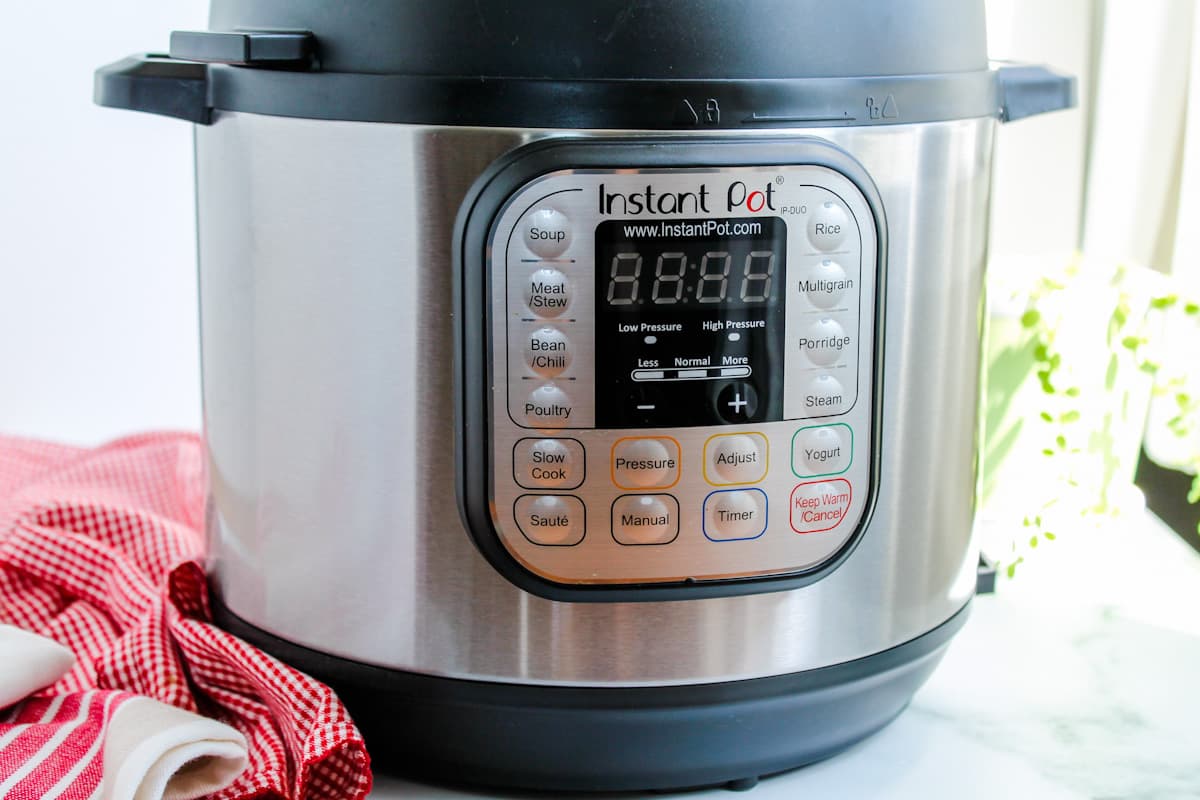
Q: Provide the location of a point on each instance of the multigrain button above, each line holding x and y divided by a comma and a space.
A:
735, 458
645, 519
828, 225
547, 351
548, 293
645, 463
825, 284
550, 519
548, 407
823, 395
547, 232
548, 463
824, 342
819, 505
733, 514
822, 450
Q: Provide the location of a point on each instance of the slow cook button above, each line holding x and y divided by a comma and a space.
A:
547, 232
552, 520
826, 284
645, 462
819, 505
825, 342
645, 519
548, 463
822, 450
823, 396
548, 293
548, 407
828, 225
735, 514
547, 351
735, 458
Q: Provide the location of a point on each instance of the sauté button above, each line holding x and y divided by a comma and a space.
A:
825, 342
547, 351
822, 450
548, 292
826, 284
828, 226
548, 407
547, 232
735, 458
550, 519
824, 395
732, 514
645, 519
645, 463
819, 505
548, 463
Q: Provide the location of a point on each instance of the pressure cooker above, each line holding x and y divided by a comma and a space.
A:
590, 388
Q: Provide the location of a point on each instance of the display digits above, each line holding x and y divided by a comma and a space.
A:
706, 292
756, 276
670, 280
624, 279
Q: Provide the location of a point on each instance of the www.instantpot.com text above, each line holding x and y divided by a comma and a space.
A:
706, 228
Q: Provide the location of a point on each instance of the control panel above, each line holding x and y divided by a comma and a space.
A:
682, 367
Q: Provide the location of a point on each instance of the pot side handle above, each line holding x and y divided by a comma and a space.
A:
1026, 90
157, 84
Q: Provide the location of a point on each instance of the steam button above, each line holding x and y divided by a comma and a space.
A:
550, 519
823, 396
548, 292
828, 226
547, 351
547, 232
548, 407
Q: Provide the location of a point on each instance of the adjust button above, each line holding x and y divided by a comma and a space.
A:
547, 351
550, 519
548, 463
645, 519
548, 407
645, 463
548, 293
735, 458
828, 225
733, 514
547, 232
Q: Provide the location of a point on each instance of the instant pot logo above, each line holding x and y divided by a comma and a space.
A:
739, 197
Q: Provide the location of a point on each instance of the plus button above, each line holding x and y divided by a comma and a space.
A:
737, 402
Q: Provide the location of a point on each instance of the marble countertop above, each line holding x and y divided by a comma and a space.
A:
1079, 679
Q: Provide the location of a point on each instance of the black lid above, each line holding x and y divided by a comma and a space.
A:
629, 39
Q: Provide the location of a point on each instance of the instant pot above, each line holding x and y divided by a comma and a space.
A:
590, 387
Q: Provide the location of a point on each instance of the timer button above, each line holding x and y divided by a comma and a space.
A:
548, 407
645, 463
825, 342
735, 458
547, 351
645, 519
552, 520
828, 226
826, 284
735, 514
548, 292
823, 396
548, 463
547, 232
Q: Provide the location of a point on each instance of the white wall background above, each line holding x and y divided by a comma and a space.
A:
97, 252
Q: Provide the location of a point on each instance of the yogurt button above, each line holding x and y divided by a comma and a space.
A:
823, 450
828, 226
548, 292
547, 232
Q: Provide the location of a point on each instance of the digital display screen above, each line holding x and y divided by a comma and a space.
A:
715, 264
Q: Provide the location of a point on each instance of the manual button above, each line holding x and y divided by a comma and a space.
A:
645, 519
650, 462
552, 520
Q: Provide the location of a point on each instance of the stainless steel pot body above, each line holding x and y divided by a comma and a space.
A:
328, 357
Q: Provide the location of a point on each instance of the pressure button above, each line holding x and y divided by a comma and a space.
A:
645, 463
550, 519
828, 226
548, 293
547, 232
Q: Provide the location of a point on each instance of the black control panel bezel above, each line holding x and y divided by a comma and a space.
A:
473, 370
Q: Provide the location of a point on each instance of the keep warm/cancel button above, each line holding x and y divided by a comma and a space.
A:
819, 505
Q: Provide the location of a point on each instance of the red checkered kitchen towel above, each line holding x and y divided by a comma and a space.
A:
101, 550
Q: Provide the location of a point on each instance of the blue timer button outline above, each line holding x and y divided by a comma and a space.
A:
704, 514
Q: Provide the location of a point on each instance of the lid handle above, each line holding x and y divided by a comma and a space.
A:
157, 84
246, 49
1027, 90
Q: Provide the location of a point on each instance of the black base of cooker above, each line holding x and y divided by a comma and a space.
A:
599, 739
